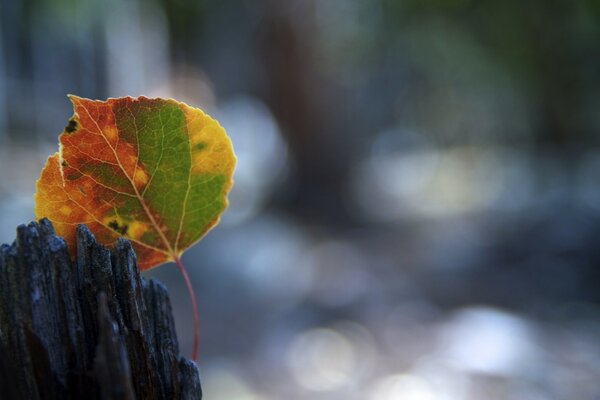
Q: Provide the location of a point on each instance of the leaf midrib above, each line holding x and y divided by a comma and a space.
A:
170, 251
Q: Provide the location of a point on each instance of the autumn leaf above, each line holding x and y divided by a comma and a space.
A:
155, 171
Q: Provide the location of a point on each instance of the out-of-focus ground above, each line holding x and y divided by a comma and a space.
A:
416, 212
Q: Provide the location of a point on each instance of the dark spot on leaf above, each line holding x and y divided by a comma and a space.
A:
200, 146
73, 175
63, 163
81, 190
114, 225
71, 126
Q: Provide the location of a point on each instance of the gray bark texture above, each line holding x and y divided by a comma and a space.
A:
88, 329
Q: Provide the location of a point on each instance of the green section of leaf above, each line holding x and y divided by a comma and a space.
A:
160, 134
204, 204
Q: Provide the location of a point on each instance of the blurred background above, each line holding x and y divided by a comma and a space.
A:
416, 213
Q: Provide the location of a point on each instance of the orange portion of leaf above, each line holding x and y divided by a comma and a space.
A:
155, 171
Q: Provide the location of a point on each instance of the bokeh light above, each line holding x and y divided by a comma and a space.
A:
405, 387
322, 360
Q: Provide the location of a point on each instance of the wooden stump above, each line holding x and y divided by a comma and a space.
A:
92, 329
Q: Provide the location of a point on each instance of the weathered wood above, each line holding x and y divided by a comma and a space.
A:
89, 329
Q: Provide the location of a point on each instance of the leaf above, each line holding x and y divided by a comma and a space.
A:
155, 171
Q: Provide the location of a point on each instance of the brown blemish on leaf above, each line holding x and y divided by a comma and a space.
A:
114, 225
71, 126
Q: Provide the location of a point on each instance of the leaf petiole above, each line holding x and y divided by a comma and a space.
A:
190, 289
